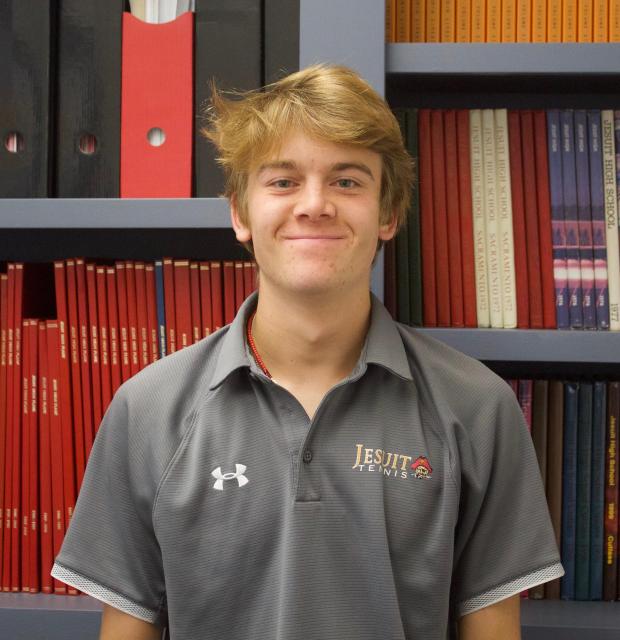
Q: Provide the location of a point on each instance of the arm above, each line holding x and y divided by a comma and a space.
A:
499, 620
118, 625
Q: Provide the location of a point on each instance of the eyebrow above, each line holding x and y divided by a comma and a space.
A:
339, 166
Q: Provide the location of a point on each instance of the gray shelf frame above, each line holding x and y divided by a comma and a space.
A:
114, 213
512, 59
50, 617
529, 345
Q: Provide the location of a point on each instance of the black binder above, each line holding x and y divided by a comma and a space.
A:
227, 47
88, 98
25, 97
281, 38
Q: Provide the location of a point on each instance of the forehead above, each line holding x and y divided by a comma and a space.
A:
301, 151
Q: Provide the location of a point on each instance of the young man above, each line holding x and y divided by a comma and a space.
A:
313, 470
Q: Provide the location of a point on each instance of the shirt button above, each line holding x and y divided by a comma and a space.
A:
307, 456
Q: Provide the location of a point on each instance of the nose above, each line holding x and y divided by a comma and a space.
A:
314, 202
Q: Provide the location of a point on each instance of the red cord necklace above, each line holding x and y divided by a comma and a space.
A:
255, 353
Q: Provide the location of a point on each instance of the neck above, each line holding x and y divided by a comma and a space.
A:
300, 338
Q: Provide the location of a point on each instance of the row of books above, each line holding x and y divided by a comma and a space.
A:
503, 21
96, 102
574, 427
514, 220
100, 325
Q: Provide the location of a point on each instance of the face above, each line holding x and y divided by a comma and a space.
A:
313, 216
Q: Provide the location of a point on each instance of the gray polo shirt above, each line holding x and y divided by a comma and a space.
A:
211, 499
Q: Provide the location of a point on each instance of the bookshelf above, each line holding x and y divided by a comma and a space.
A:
490, 75
440, 75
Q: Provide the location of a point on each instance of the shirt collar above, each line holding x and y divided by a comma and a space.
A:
383, 345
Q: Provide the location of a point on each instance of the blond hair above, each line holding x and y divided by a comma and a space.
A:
329, 102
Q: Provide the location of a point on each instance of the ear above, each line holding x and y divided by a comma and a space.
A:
387, 231
242, 232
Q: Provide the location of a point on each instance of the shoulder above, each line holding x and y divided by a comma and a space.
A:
448, 370
466, 401
178, 378
151, 412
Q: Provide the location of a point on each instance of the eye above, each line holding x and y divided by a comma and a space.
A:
282, 183
346, 183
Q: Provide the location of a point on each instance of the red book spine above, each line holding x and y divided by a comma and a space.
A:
518, 219
453, 228
217, 299
544, 219
35, 574
123, 322
17, 426
254, 276
194, 281
531, 220
132, 317
171, 341
45, 472
151, 310
68, 456
76, 366
427, 219
95, 356
87, 405
104, 345
3, 402
56, 445
143, 325
228, 269
525, 395
8, 460
205, 299
182, 299
442, 255
467, 228
113, 332
248, 287
239, 285
25, 461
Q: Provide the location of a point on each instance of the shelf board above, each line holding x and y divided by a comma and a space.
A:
570, 620
521, 345
114, 213
503, 59
50, 617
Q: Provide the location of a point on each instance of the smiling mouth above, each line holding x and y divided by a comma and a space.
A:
313, 238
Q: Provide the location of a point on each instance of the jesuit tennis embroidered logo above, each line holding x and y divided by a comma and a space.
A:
390, 464
221, 477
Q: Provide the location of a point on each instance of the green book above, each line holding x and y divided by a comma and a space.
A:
413, 224
402, 249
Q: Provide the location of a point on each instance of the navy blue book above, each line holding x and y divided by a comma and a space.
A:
584, 214
569, 489
571, 221
161, 310
560, 276
584, 489
597, 499
599, 224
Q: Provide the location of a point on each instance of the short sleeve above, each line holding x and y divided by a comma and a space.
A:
110, 550
504, 540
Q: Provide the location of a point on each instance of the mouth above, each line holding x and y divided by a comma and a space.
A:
314, 238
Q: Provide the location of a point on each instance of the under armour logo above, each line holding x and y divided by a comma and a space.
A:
219, 483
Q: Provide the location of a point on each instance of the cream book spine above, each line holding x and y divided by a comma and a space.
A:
611, 217
479, 229
489, 181
504, 209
